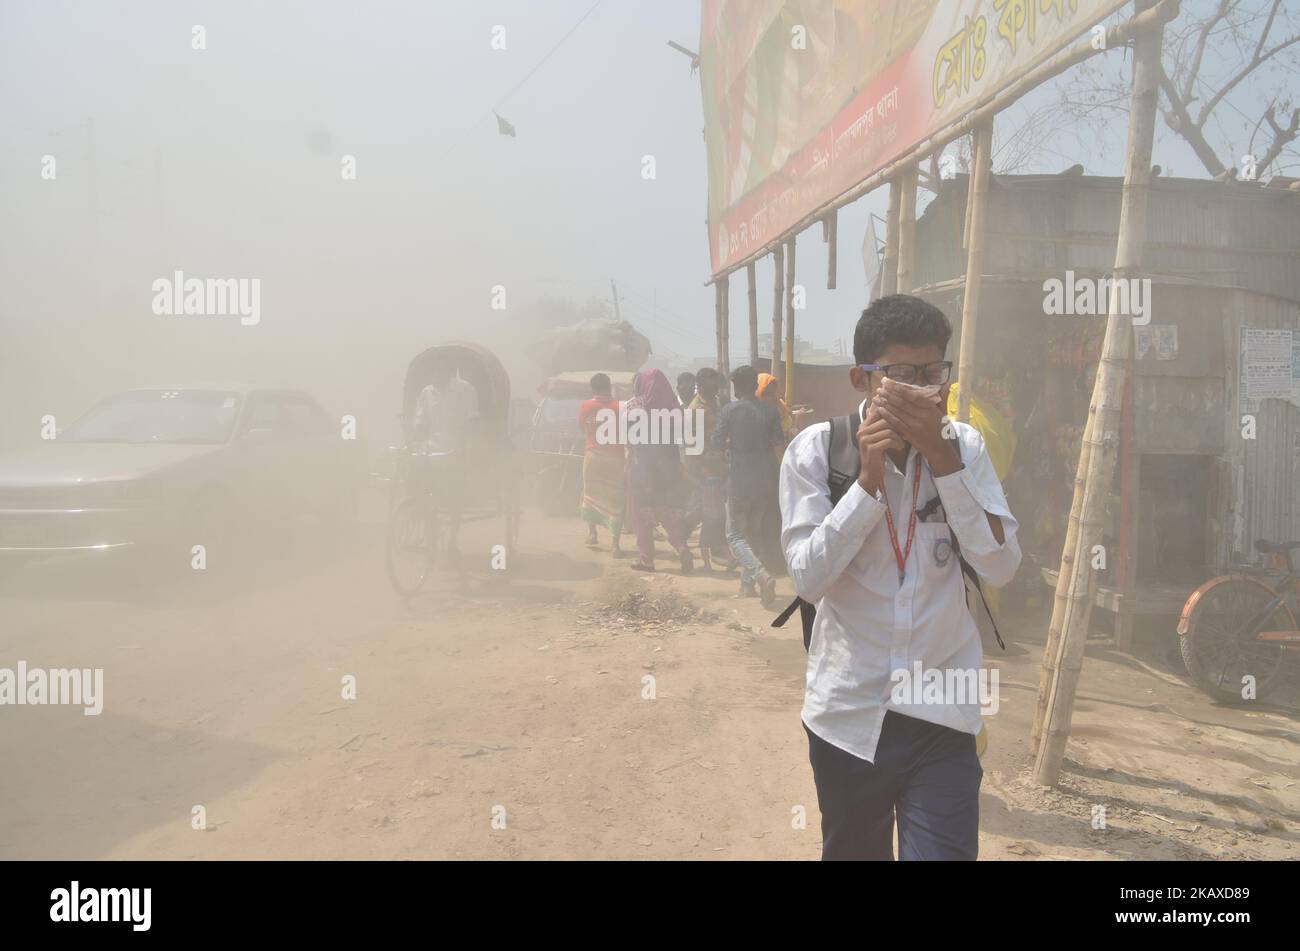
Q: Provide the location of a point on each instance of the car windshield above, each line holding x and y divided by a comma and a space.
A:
159, 416
562, 411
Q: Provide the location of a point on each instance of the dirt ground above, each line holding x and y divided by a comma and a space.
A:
524, 702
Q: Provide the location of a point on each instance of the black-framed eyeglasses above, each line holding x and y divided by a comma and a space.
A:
921, 374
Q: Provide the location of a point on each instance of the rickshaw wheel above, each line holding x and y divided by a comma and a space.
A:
1217, 649
411, 548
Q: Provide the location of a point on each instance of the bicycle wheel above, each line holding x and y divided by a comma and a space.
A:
1220, 647
411, 549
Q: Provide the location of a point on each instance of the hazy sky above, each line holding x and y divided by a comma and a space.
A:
226, 162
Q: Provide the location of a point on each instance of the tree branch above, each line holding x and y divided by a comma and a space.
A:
1263, 37
1195, 68
1282, 137
1177, 118
1255, 62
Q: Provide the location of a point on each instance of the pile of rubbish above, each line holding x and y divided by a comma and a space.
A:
667, 610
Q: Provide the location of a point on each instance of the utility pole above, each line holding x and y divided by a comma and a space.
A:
614, 287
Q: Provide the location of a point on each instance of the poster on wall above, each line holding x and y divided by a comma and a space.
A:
1268, 367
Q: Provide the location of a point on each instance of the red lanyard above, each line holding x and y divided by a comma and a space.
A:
900, 555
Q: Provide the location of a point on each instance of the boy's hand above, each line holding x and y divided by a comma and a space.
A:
875, 438
918, 418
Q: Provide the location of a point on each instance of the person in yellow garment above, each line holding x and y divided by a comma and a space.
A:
770, 392
1000, 441
999, 435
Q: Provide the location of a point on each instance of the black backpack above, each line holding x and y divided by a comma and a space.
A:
842, 472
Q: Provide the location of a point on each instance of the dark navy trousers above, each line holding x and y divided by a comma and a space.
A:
926, 775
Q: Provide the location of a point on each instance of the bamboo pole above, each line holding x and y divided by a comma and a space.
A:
1107, 396
889, 282
789, 324
830, 234
907, 231
1069, 554
724, 330
719, 293
1130, 494
778, 305
752, 286
976, 211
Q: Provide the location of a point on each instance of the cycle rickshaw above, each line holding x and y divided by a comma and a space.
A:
432, 487
1239, 626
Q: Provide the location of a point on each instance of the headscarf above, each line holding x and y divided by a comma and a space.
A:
653, 391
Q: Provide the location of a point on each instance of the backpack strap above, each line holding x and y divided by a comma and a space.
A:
966, 569
842, 464
785, 615
843, 460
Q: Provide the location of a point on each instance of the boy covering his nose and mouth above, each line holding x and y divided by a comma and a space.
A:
879, 565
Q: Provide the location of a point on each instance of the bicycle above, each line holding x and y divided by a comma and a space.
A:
1237, 626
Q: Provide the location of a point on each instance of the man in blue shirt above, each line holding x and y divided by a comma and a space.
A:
750, 431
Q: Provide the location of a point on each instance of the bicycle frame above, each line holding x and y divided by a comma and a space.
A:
1290, 640
1254, 628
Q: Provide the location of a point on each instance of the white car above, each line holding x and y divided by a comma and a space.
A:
177, 466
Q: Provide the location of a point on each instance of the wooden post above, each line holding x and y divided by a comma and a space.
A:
907, 230
830, 234
724, 327
789, 322
1060, 603
778, 305
1107, 393
889, 281
976, 210
718, 294
752, 286
1129, 517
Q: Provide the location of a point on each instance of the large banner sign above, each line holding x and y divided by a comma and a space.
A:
803, 99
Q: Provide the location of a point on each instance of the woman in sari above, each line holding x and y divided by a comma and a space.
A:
656, 481
769, 392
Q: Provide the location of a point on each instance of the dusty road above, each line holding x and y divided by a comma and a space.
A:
529, 699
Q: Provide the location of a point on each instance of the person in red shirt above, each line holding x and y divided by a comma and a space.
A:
604, 493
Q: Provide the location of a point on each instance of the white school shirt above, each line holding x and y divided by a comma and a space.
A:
868, 625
